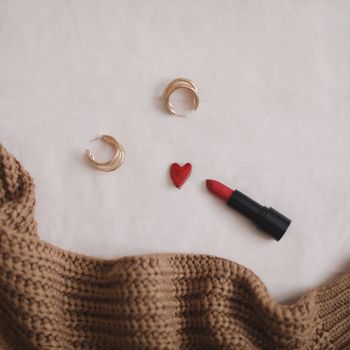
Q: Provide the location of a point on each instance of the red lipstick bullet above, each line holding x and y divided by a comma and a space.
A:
267, 219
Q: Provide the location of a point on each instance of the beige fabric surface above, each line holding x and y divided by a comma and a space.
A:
55, 299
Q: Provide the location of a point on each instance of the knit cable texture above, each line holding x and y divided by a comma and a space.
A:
54, 299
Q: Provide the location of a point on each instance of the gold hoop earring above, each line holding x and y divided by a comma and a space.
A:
180, 83
112, 164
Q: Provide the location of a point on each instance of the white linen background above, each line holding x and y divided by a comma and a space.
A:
273, 121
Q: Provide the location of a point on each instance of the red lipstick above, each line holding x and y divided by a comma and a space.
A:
267, 219
219, 189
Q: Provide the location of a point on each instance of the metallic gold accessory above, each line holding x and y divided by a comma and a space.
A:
113, 163
180, 83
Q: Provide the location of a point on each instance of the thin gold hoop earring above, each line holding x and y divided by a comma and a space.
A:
180, 83
115, 162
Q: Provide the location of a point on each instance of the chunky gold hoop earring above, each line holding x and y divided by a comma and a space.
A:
180, 83
113, 163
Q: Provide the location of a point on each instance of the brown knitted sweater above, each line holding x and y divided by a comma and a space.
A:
54, 299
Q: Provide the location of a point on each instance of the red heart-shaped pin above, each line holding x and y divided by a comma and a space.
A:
180, 174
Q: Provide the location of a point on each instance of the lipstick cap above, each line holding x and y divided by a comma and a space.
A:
267, 219
273, 222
